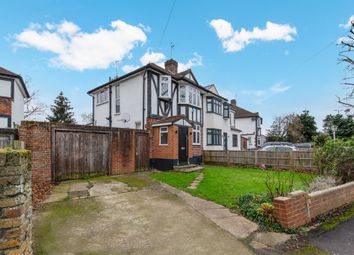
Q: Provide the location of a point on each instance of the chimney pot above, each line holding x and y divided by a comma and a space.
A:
233, 102
171, 65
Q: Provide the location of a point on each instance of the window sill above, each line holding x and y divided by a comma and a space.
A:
117, 114
102, 103
163, 144
196, 144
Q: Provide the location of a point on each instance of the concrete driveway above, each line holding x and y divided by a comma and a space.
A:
113, 218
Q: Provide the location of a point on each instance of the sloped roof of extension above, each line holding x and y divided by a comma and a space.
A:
177, 77
8, 73
243, 113
171, 120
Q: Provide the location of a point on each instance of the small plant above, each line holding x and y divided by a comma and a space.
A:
279, 185
267, 211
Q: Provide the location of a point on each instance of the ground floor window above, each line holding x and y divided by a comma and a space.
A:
234, 140
213, 136
196, 134
163, 135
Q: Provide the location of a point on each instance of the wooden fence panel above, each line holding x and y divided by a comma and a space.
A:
283, 160
79, 153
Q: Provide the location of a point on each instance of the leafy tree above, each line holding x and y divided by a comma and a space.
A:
346, 56
61, 110
344, 124
321, 138
309, 129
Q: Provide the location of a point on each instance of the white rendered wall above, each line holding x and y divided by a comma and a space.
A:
17, 105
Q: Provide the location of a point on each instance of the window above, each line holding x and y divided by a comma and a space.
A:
249, 140
190, 95
102, 97
163, 135
183, 110
182, 94
165, 86
234, 140
213, 136
226, 112
117, 92
196, 134
213, 105
194, 97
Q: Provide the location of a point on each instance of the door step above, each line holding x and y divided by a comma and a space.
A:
188, 168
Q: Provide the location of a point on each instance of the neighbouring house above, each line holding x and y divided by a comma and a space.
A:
13, 93
219, 129
250, 125
183, 116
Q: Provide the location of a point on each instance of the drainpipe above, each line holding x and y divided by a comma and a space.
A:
110, 106
143, 121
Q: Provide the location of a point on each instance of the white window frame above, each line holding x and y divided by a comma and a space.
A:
100, 95
196, 131
117, 99
183, 88
163, 130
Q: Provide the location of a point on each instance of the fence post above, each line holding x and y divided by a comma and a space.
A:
255, 157
292, 162
228, 157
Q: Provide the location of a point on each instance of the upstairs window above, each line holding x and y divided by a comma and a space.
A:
163, 136
213, 105
102, 97
182, 94
117, 92
226, 112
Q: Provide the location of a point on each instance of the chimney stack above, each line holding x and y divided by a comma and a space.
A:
171, 65
233, 102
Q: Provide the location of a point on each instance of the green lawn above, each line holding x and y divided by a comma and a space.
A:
224, 184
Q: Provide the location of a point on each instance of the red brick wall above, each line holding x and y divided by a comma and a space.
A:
5, 106
123, 151
37, 137
169, 151
300, 208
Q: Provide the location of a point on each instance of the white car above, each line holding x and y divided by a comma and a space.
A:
278, 148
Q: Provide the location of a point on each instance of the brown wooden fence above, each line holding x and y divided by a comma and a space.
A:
303, 160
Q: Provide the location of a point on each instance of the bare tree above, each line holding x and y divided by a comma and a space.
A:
87, 118
346, 56
33, 108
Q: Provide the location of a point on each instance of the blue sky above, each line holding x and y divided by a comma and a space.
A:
286, 65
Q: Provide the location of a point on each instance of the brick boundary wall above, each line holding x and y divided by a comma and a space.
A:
37, 137
300, 208
15, 202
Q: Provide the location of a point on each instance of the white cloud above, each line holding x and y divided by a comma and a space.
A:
234, 40
348, 24
196, 60
279, 88
79, 50
258, 96
129, 68
152, 57
158, 58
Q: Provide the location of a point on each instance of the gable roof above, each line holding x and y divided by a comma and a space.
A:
8, 73
171, 120
177, 77
212, 88
243, 113
184, 74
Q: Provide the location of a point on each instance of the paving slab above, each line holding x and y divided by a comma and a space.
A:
237, 225
108, 188
78, 190
271, 239
214, 213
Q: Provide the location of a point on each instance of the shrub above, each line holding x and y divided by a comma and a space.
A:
336, 157
322, 182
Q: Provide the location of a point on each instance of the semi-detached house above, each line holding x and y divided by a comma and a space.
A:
183, 116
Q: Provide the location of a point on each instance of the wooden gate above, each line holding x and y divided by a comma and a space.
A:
142, 158
80, 153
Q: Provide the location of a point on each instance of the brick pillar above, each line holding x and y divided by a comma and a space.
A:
292, 211
15, 203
